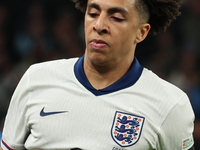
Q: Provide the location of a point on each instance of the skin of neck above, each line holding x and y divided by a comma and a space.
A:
102, 75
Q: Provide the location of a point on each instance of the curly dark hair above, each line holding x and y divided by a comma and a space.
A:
158, 13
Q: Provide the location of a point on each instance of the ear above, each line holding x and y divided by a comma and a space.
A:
142, 32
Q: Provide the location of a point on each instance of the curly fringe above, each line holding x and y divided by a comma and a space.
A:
162, 13
81, 4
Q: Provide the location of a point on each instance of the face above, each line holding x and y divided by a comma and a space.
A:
112, 30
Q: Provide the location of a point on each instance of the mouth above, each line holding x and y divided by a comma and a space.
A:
98, 44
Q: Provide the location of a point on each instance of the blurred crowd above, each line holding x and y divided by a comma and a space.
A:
36, 31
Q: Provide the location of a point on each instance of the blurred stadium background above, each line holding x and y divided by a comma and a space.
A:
40, 30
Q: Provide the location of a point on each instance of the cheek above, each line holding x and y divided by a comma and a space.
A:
130, 35
127, 38
126, 31
87, 31
87, 25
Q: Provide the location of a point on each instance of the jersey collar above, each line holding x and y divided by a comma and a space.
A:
129, 79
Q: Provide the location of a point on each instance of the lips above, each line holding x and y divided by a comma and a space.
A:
98, 44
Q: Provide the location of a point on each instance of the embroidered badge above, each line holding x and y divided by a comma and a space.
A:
126, 128
187, 143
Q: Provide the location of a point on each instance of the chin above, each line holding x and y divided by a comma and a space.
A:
98, 60
96, 56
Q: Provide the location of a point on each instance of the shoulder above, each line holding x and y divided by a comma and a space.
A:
51, 71
54, 64
175, 117
164, 95
160, 86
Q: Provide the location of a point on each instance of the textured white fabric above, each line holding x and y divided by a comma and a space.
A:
88, 121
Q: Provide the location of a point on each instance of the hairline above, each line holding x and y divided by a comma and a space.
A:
143, 16
112, 9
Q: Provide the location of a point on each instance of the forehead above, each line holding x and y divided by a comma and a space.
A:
128, 5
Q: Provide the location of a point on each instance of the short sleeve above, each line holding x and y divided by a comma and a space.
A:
15, 129
176, 132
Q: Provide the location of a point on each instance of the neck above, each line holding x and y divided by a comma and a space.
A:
101, 76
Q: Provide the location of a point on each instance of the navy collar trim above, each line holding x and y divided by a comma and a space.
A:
129, 79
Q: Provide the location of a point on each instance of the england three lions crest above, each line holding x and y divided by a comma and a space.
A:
126, 128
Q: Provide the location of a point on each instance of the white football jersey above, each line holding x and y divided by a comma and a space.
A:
54, 107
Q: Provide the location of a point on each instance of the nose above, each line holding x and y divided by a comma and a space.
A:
101, 25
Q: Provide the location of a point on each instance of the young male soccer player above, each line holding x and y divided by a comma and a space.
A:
104, 100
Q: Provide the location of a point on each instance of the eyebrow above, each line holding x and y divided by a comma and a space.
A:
93, 5
117, 10
111, 10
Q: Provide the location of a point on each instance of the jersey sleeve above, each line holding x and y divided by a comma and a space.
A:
15, 129
176, 132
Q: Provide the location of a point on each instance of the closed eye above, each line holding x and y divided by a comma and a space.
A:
118, 19
93, 15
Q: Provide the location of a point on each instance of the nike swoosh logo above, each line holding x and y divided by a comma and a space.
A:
43, 114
